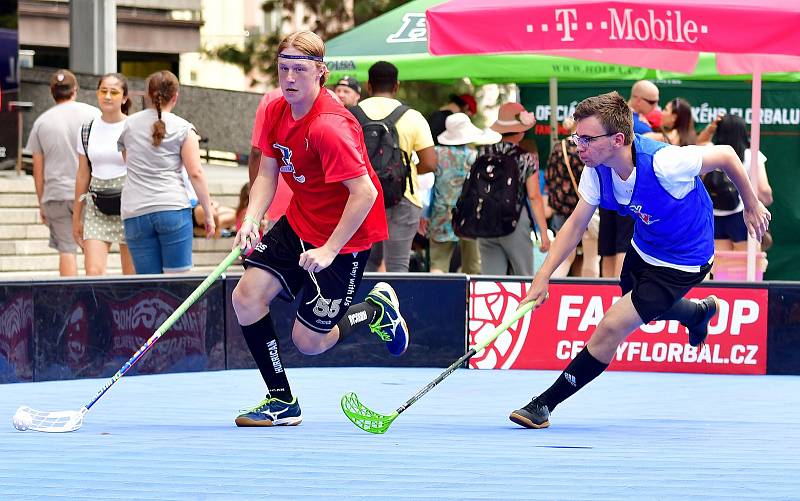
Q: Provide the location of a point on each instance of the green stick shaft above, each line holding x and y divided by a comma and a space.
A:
469, 354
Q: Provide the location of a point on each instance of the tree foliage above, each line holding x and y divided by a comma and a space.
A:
327, 18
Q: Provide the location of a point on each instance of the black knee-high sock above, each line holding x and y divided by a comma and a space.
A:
357, 315
686, 311
263, 344
580, 372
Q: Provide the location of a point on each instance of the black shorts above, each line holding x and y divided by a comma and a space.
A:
320, 309
616, 232
654, 289
730, 227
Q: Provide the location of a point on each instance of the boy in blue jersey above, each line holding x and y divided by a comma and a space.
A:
673, 239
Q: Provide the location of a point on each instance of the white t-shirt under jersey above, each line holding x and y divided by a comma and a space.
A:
107, 162
675, 168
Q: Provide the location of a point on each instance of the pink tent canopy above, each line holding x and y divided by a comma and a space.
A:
747, 36
647, 32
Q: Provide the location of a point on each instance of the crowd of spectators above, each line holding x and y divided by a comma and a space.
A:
147, 167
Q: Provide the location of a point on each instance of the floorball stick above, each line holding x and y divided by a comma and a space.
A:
63, 421
373, 422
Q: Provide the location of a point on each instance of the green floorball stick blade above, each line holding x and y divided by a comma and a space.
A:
365, 418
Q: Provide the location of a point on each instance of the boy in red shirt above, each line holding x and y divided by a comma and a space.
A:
319, 249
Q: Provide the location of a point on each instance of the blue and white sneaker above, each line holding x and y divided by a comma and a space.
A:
389, 325
272, 412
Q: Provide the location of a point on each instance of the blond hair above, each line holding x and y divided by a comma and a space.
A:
310, 44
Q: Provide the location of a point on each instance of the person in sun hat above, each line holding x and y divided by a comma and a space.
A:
455, 154
458, 103
515, 250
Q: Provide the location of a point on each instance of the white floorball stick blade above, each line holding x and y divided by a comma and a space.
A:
49, 422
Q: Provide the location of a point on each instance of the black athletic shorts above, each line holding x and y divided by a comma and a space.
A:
322, 304
730, 227
616, 232
654, 289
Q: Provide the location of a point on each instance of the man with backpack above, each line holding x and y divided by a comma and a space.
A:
501, 196
392, 133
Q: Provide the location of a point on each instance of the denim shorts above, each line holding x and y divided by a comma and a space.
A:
160, 242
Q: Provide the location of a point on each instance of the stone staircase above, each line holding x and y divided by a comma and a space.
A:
24, 250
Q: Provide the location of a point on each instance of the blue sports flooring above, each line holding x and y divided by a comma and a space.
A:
634, 436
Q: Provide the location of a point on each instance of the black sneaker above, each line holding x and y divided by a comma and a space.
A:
534, 415
699, 331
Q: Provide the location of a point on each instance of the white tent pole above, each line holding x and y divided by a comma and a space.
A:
755, 134
553, 110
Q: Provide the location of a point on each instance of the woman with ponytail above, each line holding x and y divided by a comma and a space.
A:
96, 222
156, 213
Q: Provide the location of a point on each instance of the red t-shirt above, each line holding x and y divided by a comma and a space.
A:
282, 194
315, 154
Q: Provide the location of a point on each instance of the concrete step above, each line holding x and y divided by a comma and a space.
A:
212, 245
19, 200
36, 256
17, 184
211, 259
23, 231
231, 201
111, 271
45, 263
219, 188
40, 246
19, 215
27, 247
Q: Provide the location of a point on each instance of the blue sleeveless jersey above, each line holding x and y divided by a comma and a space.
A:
676, 231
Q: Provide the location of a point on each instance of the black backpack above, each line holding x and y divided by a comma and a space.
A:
723, 193
391, 164
490, 203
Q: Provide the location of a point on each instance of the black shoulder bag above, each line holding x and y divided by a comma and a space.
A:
107, 201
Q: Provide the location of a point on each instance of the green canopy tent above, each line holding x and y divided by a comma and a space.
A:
401, 37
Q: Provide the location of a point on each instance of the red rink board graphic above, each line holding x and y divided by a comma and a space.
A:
556, 332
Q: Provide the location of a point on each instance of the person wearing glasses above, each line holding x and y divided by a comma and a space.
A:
644, 99
616, 231
55, 164
659, 187
101, 169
